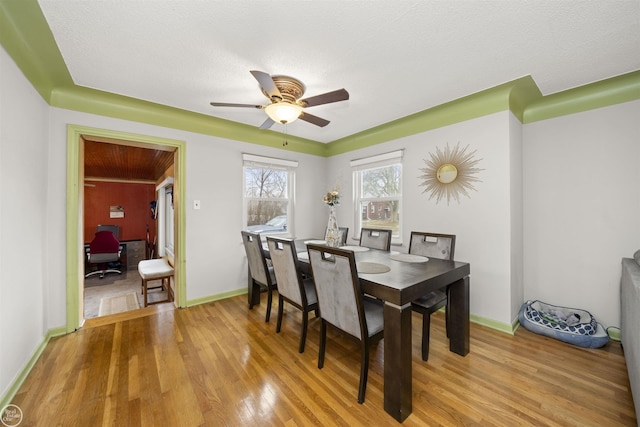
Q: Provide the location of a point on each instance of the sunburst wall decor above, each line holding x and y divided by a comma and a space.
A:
450, 173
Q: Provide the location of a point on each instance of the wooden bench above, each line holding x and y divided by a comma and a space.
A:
155, 269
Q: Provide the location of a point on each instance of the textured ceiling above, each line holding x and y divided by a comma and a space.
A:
394, 57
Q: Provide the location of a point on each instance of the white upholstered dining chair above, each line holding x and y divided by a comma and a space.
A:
342, 304
292, 287
431, 245
375, 238
260, 272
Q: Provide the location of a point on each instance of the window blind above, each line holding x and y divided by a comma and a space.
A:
269, 162
377, 161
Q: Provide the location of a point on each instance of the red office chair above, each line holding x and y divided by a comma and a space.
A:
104, 249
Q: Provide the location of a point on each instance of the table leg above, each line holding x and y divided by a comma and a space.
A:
397, 360
253, 290
459, 316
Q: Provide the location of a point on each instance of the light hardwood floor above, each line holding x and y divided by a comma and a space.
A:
220, 364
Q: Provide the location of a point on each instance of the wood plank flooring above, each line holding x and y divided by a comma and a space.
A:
220, 364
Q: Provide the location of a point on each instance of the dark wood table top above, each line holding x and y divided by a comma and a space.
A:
405, 281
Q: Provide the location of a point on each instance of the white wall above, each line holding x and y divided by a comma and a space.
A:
481, 223
215, 261
516, 198
581, 207
23, 210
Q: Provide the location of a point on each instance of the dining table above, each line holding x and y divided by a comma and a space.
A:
398, 279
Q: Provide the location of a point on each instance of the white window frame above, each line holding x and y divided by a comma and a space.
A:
290, 166
166, 226
375, 162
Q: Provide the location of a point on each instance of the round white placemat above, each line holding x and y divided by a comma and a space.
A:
372, 267
355, 248
408, 258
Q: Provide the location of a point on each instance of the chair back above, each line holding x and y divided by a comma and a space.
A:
285, 264
344, 231
255, 258
375, 238
338, 289
115, 229
104, 242
342, 235
432, 245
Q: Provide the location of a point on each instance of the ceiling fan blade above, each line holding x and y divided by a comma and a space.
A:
325, 98
267, 124
228, 104
318, 121
267, 84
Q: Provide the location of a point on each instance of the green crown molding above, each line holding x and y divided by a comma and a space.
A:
107, 104
604, 93
27, 38
523, 92
25, 35
489, 101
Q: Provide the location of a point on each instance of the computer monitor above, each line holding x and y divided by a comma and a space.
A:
112, 228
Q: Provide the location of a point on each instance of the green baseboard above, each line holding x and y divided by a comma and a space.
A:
217, 297
489, 323
614, 333
6, 398
494, 324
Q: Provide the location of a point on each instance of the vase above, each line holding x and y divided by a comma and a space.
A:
332, 235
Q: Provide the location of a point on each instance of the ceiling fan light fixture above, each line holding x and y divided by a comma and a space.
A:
283, 112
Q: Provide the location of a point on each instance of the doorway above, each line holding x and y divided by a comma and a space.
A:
76, 136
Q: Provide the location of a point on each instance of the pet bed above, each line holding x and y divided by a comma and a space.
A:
570, 325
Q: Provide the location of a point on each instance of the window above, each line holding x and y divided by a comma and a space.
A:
169, 222
378, 192
268, 194
165, 243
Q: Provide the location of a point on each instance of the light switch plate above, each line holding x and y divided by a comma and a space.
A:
196, 204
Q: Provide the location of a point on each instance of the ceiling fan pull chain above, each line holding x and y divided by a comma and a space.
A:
285, 143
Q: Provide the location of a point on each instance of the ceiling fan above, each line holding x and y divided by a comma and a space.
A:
285, 92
